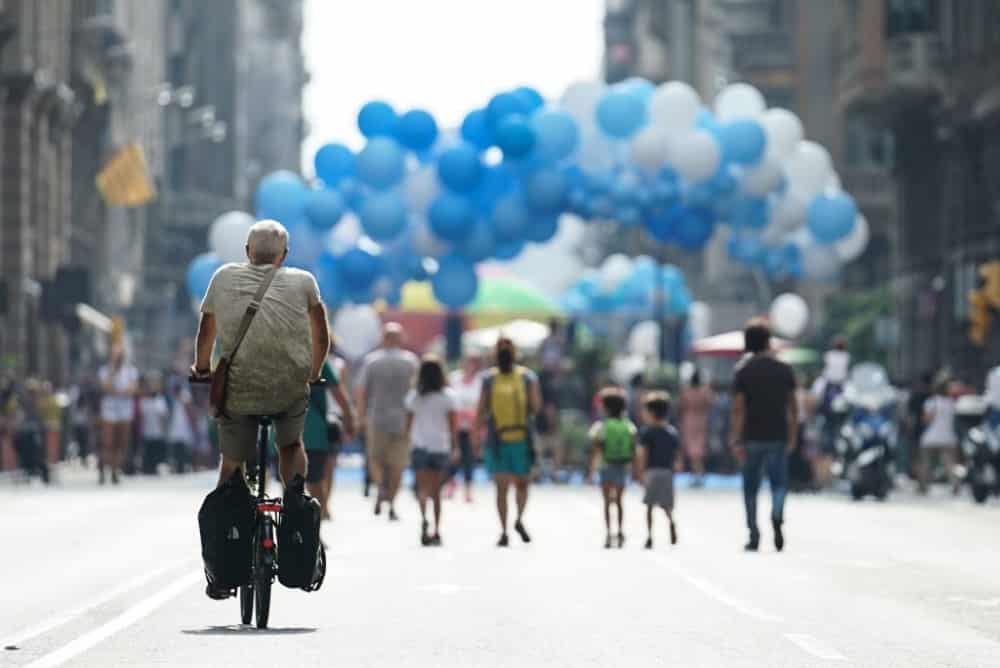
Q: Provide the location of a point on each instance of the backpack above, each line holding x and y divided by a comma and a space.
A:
301, 557
508, 403
618, 446
226, 524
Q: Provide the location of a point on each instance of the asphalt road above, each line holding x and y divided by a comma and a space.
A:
111, 577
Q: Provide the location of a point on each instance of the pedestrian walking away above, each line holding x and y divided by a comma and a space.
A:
613, 447
385, 378
466, 384
153, 414
432, 428
765, 423
119, 384
696, 400
509, 401
659, 452
938, 440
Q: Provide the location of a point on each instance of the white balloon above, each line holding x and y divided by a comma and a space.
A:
421, 188
783, 130
808, 169
644, 339
851, 248
615, 269
596, 152
344, 236
358, 330
581, 98
695, 155
789, 212
651, 148
762, 178
820, 263
674, 106
228, 235
789, 315
739, 100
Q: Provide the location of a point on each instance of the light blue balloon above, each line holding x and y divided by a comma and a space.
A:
381, 163
377, 119
510, 218
199, 274
514, 136
451, 217
358, 270
455, 284
694, 228
331, 287
750, 212
476, 129
542, 230
508, 250
503, 105
333, 162
556, 134
743, 142
831, 217
480, 244
324, 208
383, 216
460, 169
620, 114
545, 190
282, 196
529, 97
304, 244
637, 87
417, 130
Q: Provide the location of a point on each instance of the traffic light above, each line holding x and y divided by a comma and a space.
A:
980, 316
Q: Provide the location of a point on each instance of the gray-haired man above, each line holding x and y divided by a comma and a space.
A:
284, 349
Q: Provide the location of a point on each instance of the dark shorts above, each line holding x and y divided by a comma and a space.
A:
614, 474
429, 461
317, 465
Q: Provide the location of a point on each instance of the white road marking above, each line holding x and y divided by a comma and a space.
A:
122, 621
813, 646
714, 592
978, 602
57, 620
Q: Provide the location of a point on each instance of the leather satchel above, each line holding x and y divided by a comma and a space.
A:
220, 376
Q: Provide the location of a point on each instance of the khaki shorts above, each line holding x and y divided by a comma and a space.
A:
238, 433
388, 449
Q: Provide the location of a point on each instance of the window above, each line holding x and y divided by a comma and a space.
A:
910, 16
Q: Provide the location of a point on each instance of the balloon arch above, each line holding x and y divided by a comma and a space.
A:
417, 203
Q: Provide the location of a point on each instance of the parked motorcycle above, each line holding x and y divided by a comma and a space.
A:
867, 443
980, 446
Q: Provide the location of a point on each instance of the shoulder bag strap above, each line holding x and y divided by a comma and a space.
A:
252, 311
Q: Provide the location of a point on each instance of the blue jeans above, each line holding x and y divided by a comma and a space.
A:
761, 456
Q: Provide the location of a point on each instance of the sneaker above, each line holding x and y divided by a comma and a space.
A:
100, 477
217, 594
393, 517
436, 540
753, 543
504, 541
673, 534
649, 543
621, 540
425, 538
522, 532
607, 542
779, 537
114, 478
378, 507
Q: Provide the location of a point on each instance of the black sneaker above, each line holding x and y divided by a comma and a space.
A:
425, 539
753, 543
504, 541
621, 540
779, 537
217, 594
522, 532
673, 534
649, 543
378, 507
393, 517
607, 542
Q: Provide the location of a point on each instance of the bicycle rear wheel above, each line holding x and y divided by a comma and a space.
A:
262, 592
246, 603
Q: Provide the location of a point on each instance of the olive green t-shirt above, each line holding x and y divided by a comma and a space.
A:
271, 369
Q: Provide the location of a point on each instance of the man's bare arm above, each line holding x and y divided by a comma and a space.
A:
204, 343
320, 338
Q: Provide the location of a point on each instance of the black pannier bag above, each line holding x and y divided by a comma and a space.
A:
226, 523
301, 557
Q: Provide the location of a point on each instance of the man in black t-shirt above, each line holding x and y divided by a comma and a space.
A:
765, 422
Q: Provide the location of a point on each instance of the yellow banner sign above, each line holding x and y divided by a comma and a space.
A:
125, 179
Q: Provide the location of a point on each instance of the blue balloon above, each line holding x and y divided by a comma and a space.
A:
662, 225
333, 162
514, 136
694, 228
529, 97
476, 129
358, 270
381, 163
541, 230
748, 249
629, 215
750, 212
743, 142
331, 287
199, 274
451, 217
510, 218
417, 130
680, 302
620, 114
637, 87
353, 193
545, 190
455, 284
556, 134
460, 169
324, 208
602, 207
706, 121
496, 181
383, 216
282, 196
831, 217
503, 105
304, 244
480, 243
508, 250
377, 119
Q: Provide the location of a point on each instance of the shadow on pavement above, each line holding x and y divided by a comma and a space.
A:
248, 629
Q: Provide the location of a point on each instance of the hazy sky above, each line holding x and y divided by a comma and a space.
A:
449, 57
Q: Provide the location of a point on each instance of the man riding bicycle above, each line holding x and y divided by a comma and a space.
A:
282, 352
